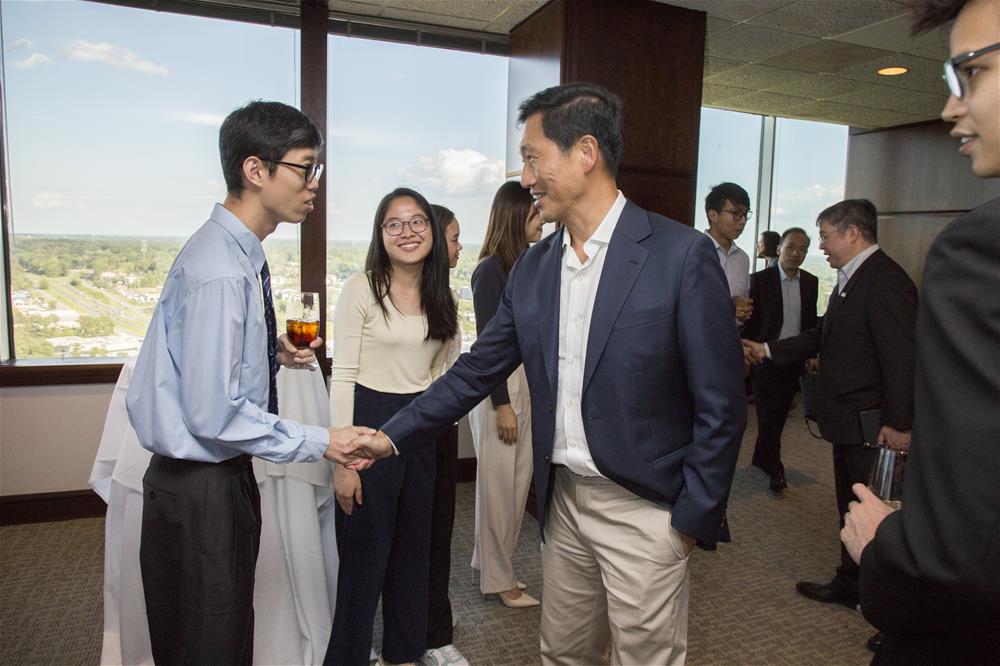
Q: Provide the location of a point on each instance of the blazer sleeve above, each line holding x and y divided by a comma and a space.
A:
488, 281
752, 328
713, 362
810, 293
892, 317
492, 358
799, 348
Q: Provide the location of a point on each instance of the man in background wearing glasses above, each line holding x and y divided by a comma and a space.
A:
203, 397
727, 207
930, 572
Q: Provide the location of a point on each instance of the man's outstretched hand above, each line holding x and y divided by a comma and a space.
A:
343, 447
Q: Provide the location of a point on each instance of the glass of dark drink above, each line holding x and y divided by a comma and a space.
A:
302, 318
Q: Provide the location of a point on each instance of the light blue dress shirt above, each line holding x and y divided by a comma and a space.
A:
200, 387
791, 304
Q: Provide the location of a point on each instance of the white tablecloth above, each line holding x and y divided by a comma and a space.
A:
296, 574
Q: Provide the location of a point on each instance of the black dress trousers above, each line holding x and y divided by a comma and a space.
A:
439, 629
198, 553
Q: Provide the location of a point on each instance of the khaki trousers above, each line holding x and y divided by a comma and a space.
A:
613, 568
503, 477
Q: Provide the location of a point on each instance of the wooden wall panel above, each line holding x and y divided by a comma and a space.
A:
649, 54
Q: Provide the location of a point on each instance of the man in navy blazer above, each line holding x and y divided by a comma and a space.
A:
624, 324
784, 298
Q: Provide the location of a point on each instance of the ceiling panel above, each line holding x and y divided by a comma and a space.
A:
517, 12
820, 86
714, 25
731, 10
825, 55
718, 65
857, 116
758, 77
826, 19
750, 43
895, 99
433, 19
924, 74
482, 10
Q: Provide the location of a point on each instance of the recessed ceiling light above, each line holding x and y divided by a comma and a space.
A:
893, 71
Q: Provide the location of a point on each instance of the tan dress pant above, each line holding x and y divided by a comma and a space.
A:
615, 568
503, 477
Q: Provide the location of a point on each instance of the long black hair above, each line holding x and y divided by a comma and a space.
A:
435, 294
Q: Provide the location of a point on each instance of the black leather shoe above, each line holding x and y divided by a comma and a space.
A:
828, 593
875, 642
778, 482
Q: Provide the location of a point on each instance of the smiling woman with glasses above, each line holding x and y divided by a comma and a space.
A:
390, 330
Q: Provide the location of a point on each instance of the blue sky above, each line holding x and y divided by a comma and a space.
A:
113, 116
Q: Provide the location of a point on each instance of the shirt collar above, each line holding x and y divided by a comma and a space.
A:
602, 234
786, 277
732, 246
852, 266
246, 239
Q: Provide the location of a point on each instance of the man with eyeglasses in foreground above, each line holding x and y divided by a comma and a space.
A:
727, 208
866, 349
203, 397
930, 572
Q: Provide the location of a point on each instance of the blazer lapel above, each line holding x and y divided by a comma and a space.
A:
839, 296
622, 265
549, 290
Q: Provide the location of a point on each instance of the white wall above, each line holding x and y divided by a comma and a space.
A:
49, 436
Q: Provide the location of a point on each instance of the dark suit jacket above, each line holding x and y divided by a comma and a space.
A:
768, 313
931, 577
663, 402
866, 347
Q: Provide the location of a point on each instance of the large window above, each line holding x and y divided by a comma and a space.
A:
810, 165
112, 121
430, 119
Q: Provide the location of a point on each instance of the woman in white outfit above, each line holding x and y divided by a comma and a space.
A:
501, 424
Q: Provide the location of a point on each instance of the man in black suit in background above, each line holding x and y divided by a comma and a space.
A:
784, 299
930, 574
865, 346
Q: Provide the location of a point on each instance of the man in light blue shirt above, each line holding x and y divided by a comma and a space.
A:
203, 397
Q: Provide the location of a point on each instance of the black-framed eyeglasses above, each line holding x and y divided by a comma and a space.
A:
312, 171
394, 226
953, 74
738, 214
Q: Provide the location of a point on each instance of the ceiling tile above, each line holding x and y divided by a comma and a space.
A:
758, 77
359, 7
718, 65
892, 35
856, 116
731, 10
749, 43
714, 25
432, 19
825, 19
481, 10
824, 55
517, 12
818, 86
896, 99
712, 95
938, 51
768, 103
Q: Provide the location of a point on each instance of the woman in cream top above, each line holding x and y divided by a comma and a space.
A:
391, 324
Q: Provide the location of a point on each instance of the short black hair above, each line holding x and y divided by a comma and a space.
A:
771, 240
719, 194
860, 213
574, 110
930, 14
267, 130
794, 230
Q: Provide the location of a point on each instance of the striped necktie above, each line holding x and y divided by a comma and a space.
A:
272, 339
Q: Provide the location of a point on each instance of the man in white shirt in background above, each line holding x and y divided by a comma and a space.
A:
727, 208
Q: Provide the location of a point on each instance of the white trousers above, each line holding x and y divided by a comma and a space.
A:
613, 567
503, 477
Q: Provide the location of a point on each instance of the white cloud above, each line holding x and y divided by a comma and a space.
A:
114, 55
196, 118
53, 200
456, 171
31, 61
22, 44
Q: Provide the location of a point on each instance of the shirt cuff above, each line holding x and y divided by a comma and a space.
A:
316, 442
395, 451
767, 351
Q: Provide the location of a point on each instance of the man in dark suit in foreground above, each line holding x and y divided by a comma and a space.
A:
930, 572
865, 346
784, 299
625, 327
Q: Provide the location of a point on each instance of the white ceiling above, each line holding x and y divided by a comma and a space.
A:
813, 59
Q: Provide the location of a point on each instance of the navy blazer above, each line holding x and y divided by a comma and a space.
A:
663, 402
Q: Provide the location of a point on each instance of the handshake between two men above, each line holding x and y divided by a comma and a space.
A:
356, 447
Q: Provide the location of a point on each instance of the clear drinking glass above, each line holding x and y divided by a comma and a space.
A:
887, 477
302, 317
